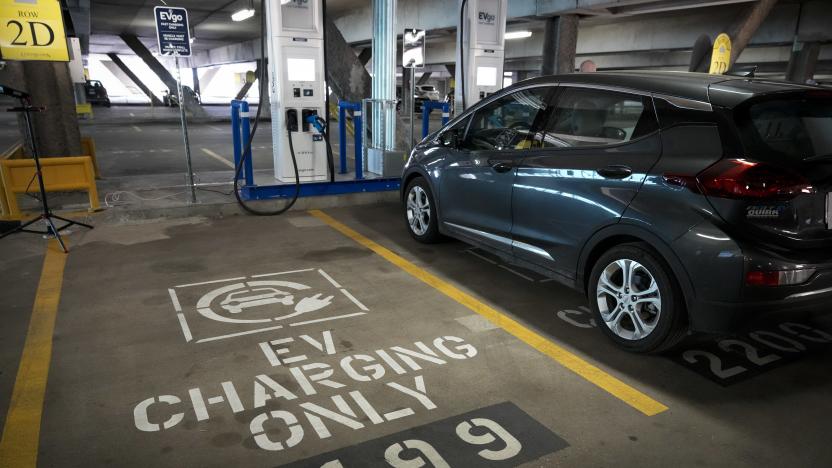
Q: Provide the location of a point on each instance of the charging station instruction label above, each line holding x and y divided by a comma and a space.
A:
172, 31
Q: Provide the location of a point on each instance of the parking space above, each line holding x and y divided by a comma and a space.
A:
332, 339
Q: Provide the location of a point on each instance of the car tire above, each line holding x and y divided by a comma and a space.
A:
420, 212
645, 314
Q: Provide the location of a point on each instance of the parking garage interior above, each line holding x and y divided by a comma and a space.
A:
264, 233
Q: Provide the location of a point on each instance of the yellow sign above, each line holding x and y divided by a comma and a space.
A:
32, 30
721, 58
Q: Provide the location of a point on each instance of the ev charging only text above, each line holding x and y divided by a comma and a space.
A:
397, 367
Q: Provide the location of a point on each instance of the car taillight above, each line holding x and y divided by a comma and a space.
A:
778, 278
743, 179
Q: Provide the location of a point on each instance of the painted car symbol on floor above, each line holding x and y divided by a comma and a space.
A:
240, 297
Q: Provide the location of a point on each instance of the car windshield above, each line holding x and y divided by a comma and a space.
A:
798, 128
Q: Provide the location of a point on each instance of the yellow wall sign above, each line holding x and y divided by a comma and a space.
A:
721, 58
32, 30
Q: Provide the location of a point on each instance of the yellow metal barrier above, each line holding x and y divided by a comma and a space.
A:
88, 149
60, 175
84, 109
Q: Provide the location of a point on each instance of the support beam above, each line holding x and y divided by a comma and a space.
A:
365, 55
424, 78
560, 41
164, 75
247, 86
345, 73
744, 27
135, 79
50, 85
803, 61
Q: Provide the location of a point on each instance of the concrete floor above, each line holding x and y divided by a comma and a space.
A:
133, 353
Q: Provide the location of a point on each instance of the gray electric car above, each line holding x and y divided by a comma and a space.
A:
675, 201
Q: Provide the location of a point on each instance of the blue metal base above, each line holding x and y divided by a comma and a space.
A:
317, 189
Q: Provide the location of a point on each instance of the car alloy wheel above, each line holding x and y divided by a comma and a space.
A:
629, 299
418, 210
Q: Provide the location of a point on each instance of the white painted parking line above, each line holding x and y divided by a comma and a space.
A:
185, 329
281, 273
232, 335
329, 278
354, 300
136, 128
327, 319
215, 128
175, 300
218, 157
210, 282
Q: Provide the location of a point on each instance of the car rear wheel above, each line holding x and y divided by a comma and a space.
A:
420, 212
635, 298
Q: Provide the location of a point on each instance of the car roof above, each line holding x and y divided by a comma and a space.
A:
721, 90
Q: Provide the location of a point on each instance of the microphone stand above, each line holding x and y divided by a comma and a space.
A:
46, 214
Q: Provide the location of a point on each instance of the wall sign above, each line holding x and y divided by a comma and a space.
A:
32, 30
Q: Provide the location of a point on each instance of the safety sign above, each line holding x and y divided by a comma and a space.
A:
219, 309
172, 31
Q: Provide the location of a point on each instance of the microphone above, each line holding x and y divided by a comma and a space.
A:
6, 91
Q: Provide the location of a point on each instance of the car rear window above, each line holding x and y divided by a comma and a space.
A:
796, 128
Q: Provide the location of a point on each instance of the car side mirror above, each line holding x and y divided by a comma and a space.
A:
450, 139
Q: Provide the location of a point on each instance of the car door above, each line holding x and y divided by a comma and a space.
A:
597, 147
477, 179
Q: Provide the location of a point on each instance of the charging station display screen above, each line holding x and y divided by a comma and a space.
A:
300, 69
486, 76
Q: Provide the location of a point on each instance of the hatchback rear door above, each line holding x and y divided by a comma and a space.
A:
594, 152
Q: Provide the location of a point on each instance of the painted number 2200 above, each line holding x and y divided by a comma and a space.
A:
429, 456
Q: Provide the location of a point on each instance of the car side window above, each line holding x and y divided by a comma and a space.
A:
590, 117
507, 123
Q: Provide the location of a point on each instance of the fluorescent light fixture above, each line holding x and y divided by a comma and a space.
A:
242, 15
518, 35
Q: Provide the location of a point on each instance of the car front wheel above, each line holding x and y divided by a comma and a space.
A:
420, 212
635, 299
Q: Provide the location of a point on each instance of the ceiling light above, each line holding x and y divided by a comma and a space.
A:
242, 15
518, 35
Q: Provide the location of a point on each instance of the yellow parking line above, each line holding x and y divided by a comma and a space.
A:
571, 361
218, 158
19, 446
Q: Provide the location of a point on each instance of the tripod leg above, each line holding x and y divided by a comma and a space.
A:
72, 222
56, 234
21, 227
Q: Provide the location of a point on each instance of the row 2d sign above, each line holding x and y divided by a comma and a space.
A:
172, 31
32, 30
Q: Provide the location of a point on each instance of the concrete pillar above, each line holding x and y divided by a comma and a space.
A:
195, 73
208, 76
803, 61
560, 40
424, 78
746, 24
191, 106
135, 79
50, 84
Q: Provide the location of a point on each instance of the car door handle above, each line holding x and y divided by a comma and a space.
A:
501, 166
615, 172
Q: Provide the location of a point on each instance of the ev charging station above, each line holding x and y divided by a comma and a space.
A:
297, 87
480, 50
